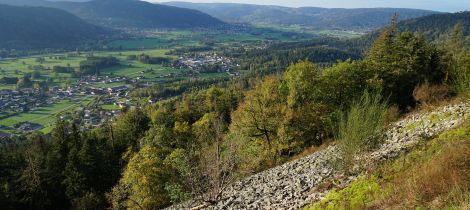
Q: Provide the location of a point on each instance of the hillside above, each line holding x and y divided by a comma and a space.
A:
130, 13
309, 179
435, 25
39, 27
345, 19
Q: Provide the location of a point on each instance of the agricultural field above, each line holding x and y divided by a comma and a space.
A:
46, 116
313, 31
166, 40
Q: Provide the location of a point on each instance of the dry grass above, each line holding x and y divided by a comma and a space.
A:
436, 183
427, 95
312, 149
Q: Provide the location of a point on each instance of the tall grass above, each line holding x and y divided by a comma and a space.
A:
360, 127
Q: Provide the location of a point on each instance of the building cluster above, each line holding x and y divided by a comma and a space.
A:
204, 63
14, 101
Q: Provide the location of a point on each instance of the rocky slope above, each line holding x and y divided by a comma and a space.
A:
297, 183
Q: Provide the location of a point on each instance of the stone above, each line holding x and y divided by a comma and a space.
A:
293, 185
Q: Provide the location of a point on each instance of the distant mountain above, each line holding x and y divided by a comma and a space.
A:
433, 26
39, 27
129, 13
348, 19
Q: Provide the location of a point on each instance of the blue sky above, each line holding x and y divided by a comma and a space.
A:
439, 5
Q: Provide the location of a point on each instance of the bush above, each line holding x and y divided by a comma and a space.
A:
360, 127
461, 82
427, 94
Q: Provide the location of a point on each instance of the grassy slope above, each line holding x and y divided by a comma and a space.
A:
435, 176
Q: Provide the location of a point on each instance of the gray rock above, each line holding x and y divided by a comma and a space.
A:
293, 185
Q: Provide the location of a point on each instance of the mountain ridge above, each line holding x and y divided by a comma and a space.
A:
325, 18
25, 27
129, 13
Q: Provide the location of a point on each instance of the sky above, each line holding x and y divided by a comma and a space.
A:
437, 5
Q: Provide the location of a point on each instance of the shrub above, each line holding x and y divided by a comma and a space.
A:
461, 82
360, 127
427, 94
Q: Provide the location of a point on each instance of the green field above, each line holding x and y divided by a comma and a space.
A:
190, 38
313, 31
45, 116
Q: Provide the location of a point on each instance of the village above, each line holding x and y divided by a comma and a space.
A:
206, 63
14, 102
96, 99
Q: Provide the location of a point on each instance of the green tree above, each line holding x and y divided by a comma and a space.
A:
129, 129
143, 182
257, 121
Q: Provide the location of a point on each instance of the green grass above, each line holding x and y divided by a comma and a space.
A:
45, 116
194, 38
312, 31
110, 107
355, 196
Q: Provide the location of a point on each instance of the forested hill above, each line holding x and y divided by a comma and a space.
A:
38, 27
349, 19
130, 13
433, 26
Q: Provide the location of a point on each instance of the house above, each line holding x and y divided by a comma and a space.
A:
5, 135
116, 90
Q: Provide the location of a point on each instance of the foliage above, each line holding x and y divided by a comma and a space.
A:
93, 65
458, 60
143, 181
361, 126
436, 26
397, 76
277, 58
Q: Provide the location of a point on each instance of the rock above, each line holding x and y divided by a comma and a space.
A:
293, 185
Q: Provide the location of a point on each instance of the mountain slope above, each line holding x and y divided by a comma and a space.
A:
39, 27
299, 182
435, 25
350, 19
129, 13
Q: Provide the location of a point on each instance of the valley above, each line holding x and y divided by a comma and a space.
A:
137, 104
55, 89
